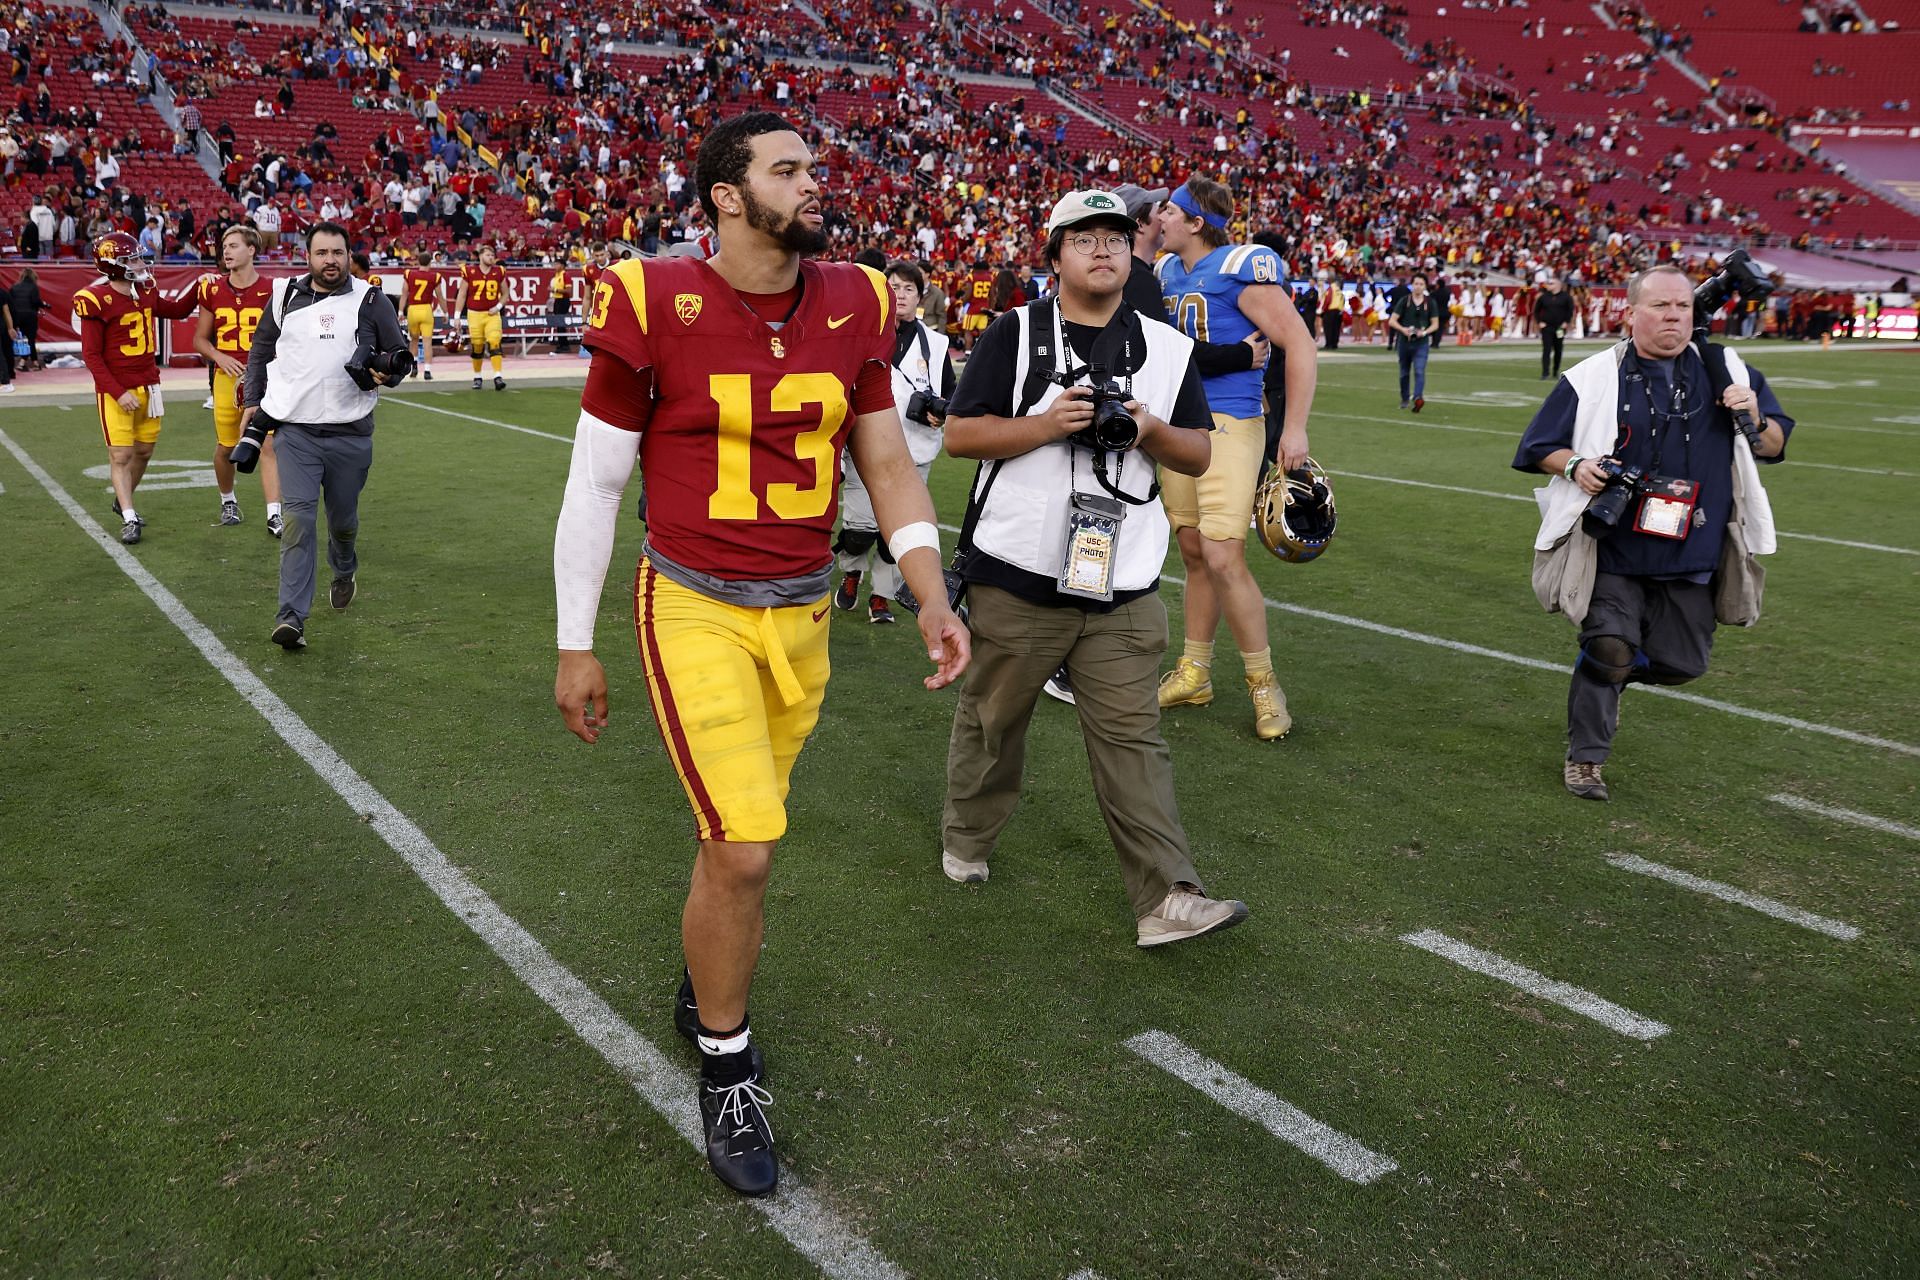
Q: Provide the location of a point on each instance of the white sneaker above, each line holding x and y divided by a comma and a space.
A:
6, 388
962, 872
1187, 913
208, 404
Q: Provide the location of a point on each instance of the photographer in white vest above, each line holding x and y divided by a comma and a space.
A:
325, 345
1070, 403
922, 385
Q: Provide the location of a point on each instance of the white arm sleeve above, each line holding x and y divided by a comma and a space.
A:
603, 458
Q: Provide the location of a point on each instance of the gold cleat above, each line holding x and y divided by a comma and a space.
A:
1188, 685
1270, 718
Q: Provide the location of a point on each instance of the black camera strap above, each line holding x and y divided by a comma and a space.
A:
926, 355
1098, 461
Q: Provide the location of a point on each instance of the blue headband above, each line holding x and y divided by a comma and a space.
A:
1183, 200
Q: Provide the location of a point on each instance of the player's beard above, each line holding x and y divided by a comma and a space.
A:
791, 234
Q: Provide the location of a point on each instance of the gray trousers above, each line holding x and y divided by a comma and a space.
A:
312, 467
1114, 662
1671, 623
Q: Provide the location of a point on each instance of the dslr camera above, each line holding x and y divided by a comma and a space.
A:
1113, 429
1737, 275
926, 406
1602, 515
245, 455
389, 365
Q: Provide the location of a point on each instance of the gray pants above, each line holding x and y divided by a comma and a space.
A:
312, 466
1114, 662
1670, 623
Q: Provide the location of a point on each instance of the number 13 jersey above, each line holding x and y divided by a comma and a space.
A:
743, 438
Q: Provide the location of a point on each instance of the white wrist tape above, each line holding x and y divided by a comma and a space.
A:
918, 534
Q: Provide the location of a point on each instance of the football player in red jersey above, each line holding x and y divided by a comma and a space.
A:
482, 295
737, 383
230, 309
117, 340
421, 284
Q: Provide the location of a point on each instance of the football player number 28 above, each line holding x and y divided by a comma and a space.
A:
734, 498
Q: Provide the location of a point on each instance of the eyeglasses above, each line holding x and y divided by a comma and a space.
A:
1112, 242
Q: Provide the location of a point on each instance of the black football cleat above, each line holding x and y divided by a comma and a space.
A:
739, 1139
499, 383
130, 531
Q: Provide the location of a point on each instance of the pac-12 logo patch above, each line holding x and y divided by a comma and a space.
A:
687, 306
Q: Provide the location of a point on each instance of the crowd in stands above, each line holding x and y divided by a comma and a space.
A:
547, 137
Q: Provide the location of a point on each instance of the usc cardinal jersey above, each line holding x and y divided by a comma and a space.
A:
742, 449
236, 312
421, 287
118, 339
485, 289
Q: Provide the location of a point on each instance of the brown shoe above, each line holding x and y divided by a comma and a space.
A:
1583, 779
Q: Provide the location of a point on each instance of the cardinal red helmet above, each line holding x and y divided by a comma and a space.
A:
120, 257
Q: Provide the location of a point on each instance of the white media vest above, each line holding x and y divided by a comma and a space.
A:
307, 381
1024, 523
920, 373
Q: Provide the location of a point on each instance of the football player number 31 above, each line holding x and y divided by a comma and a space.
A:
734, 498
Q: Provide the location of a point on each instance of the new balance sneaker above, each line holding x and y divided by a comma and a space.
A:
739, 1139
341, 593
229, 512
1187, 913
1189, 684
130, 530
1059, 685
1270, 717
289, 634
476, 384
962, 872
276, 525
847, 594
878, 613
1583, 779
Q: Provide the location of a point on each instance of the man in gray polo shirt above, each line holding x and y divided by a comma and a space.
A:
324, 346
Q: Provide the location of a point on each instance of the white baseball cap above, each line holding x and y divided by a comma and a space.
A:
1077, 207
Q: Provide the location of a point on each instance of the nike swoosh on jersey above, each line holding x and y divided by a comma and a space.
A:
835, 323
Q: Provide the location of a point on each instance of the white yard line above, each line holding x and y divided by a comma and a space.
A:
1478, 651
1727, 893
796, 1213
1859, 471
1851, 816
412, 403
1585, 1003
1521, 497
1280, 1118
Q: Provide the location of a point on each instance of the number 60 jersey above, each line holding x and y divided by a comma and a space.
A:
742, 441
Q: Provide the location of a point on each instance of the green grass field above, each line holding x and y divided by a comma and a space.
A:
243, 1038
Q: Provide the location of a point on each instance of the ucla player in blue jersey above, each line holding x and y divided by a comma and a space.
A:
1217, 291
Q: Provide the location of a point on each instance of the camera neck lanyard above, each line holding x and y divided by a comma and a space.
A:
1656, 419
1098, 462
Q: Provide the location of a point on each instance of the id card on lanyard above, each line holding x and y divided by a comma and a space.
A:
1667, 507
1093, 542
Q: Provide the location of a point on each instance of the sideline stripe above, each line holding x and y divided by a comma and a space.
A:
796, 1213
1585, 1003
1478, 651
1244, 1098
1521, 497
1853, 816
1727, 893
